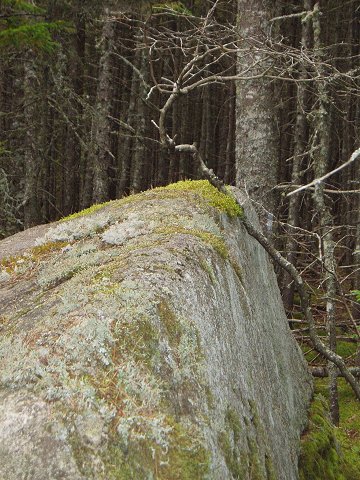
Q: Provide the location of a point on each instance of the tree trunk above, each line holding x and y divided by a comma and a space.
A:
230, 141
126, 148
325, 217
31, 204
101, 128
256, 137
139, 173
74, 160
300, 143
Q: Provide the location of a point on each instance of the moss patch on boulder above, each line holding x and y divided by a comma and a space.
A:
224, 203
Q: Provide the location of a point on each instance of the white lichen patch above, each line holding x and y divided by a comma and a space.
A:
65, 266
19, 365
201, 222
4, 276
76, 229
90, 427
86, 344
139, 427
141, 414
132, 227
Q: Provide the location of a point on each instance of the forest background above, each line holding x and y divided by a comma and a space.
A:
103, 99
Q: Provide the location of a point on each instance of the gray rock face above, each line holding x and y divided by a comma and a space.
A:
147, 340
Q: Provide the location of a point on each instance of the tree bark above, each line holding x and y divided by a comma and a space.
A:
256, 136
325, 217
139, 173
101, 128
31, 204
300, 143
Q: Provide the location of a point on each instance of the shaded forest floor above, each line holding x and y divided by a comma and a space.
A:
328, 452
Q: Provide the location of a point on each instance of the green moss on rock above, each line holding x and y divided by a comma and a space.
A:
185, 457
85, 212
237, 269
188, 458
170, 322
200, 188
206, 266
231, 456
228, 443
22, 263
224, 203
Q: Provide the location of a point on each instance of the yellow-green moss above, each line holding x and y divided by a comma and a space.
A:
346, 349
269, 467
244, 463
327, 452
11, 264
188, 458
216, 242
208, 269
224, 203
138, 339
254, 462
170, 322
233, 422
231, 456
48, 247
319, 457
87, 211
210, 194
185, 459
228, 443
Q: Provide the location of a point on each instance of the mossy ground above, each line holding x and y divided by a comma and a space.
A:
327, 452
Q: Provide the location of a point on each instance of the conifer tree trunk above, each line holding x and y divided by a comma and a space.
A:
31, 162
126, 147
325, 217
256, 137
74, 160
139, 173
300, 142
230, 141
101, 128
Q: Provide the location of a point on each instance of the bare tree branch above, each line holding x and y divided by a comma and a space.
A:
317, 181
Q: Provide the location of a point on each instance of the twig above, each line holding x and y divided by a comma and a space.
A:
317, 181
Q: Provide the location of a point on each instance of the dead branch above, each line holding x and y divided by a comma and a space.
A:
322, 372
317, 181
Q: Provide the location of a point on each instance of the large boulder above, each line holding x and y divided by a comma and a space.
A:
145, 339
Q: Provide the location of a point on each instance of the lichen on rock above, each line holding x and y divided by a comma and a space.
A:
153, 344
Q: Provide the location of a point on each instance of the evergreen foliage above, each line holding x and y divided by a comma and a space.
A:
22, 26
